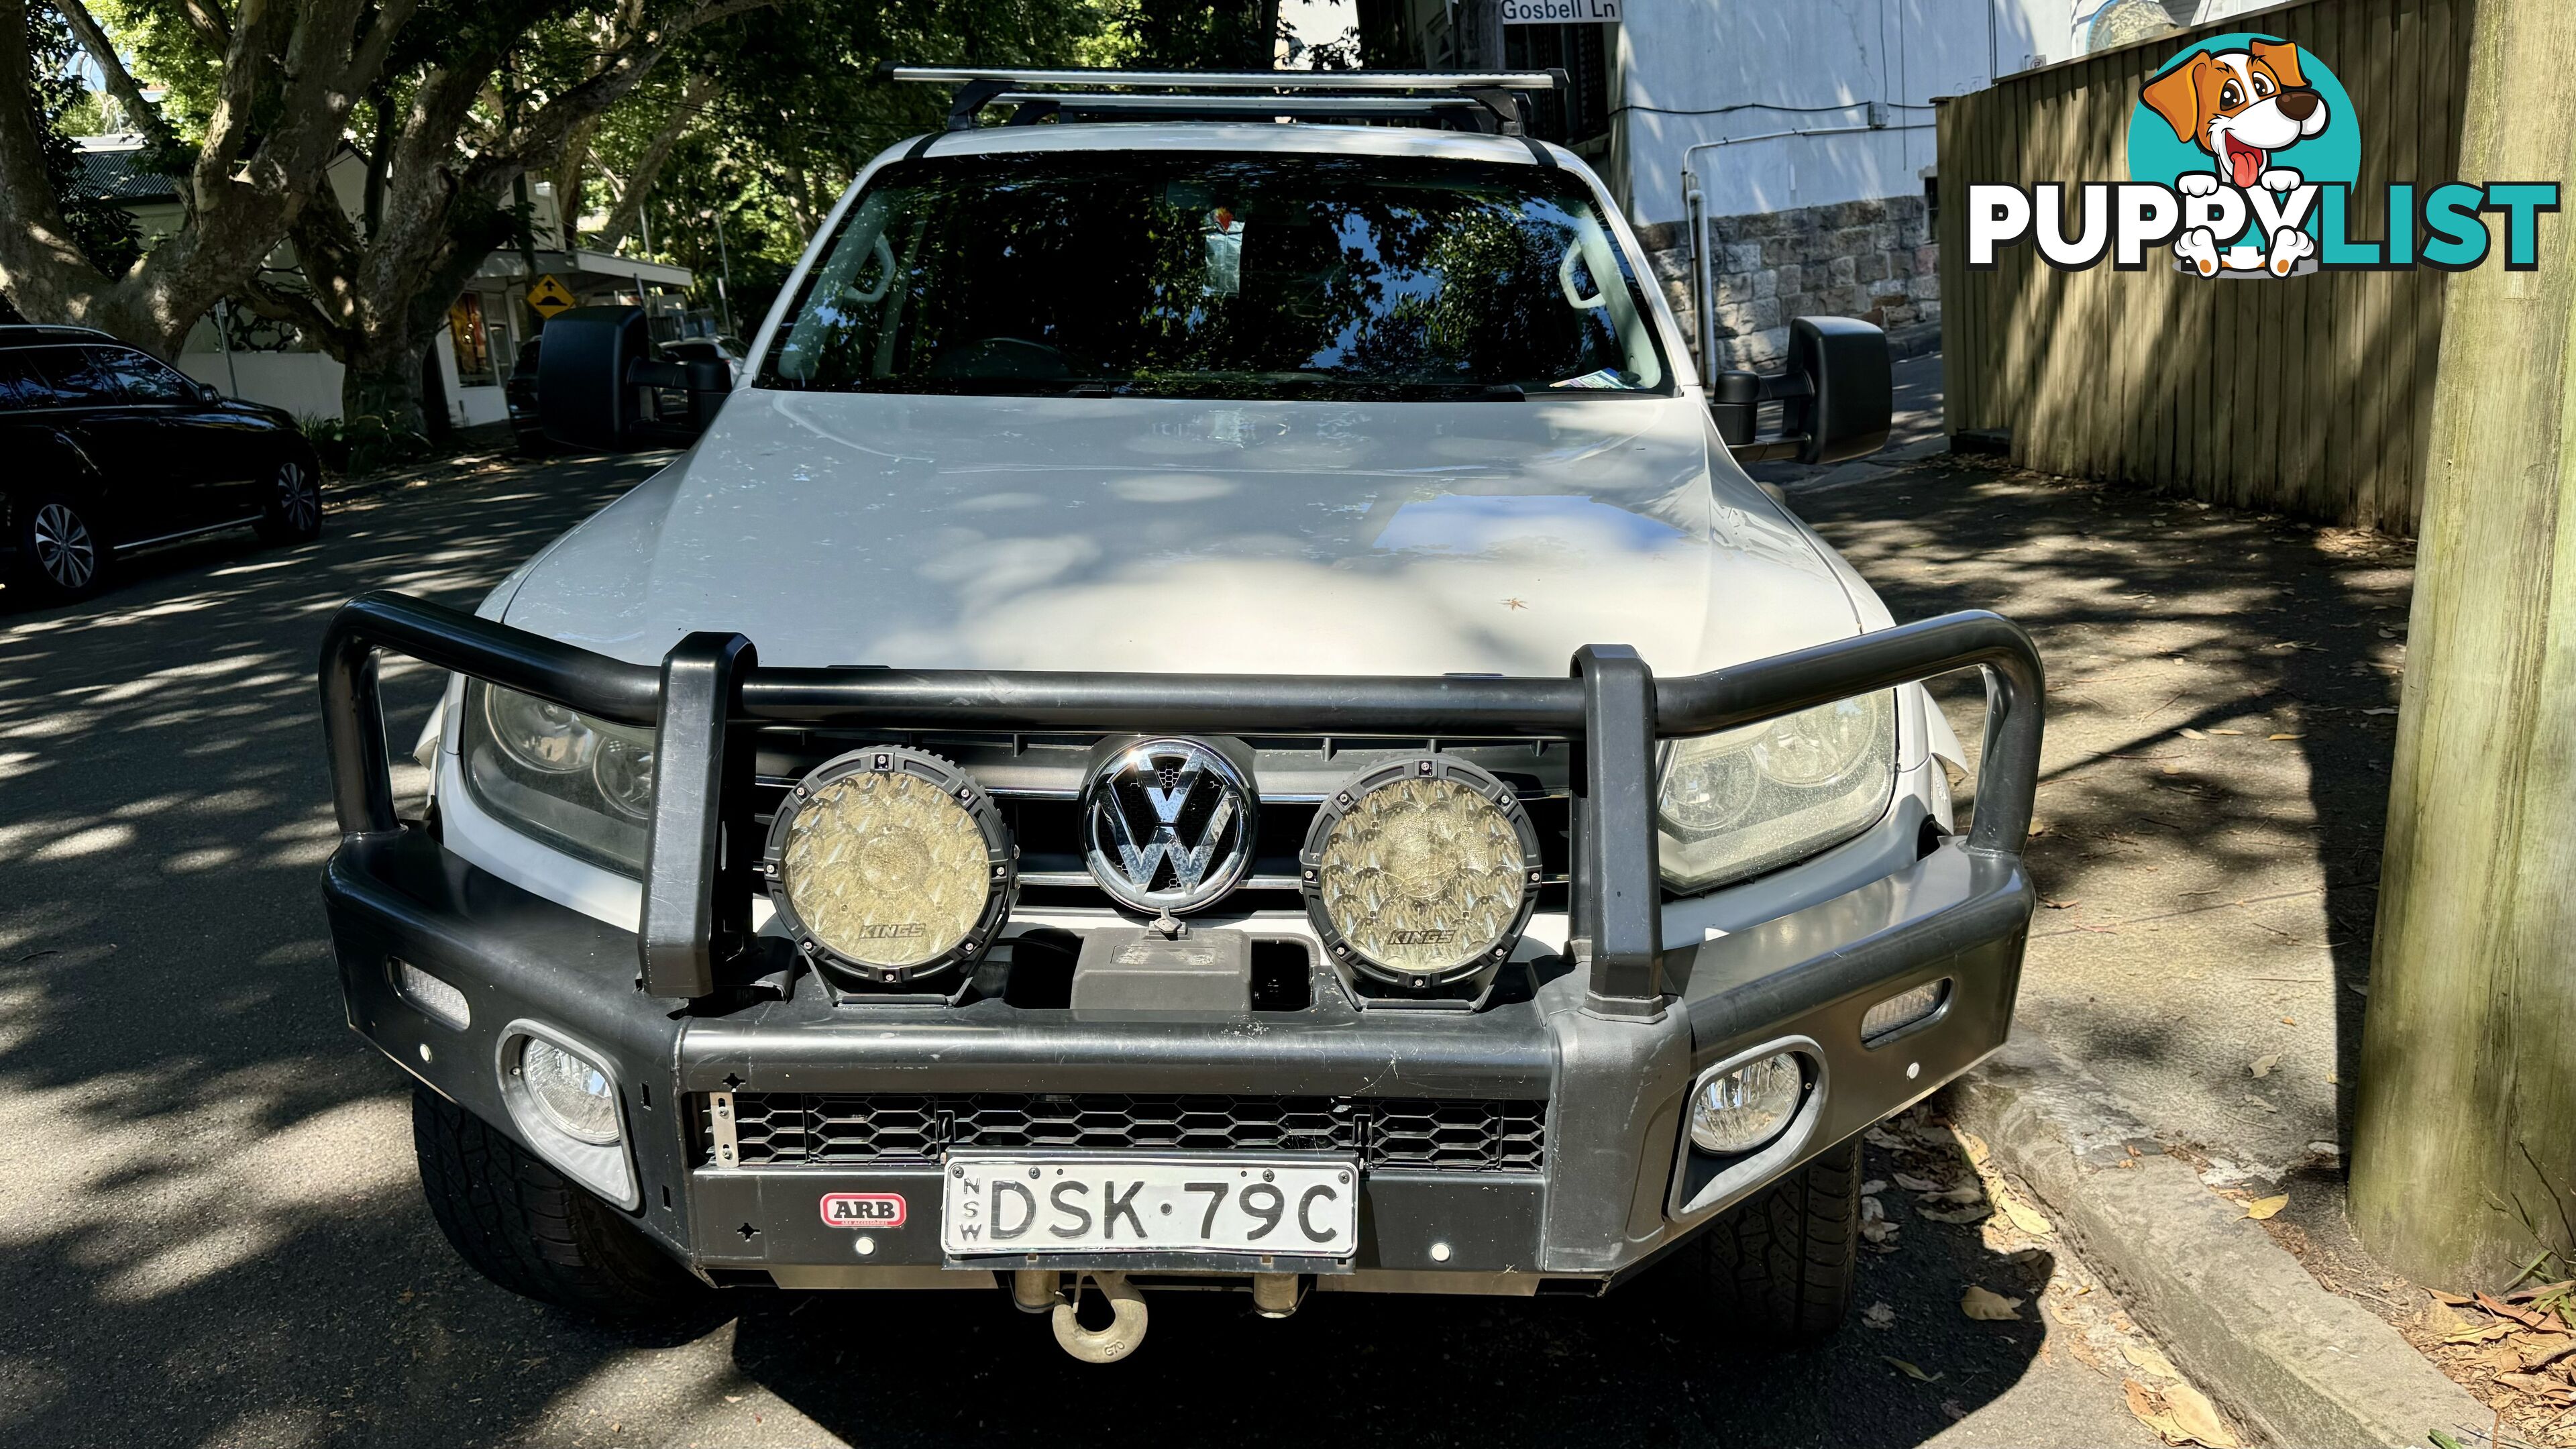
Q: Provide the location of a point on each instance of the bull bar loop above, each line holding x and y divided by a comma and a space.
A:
1612, 707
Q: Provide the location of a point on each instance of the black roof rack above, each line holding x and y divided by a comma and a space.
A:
1486, 101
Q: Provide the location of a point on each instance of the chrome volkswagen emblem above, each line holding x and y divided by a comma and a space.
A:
1167, 825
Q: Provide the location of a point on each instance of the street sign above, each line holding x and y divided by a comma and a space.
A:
1560, 12
546, 296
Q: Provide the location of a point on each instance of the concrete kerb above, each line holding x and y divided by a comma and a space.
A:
2300, 1365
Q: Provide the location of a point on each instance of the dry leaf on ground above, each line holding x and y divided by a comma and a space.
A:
1879, 1315
2541, 1352
2264, 1207
2024, 1216
1912, 1183
1977, 1214
2262, 1066
1958, 1196
1872, 1188
2181, 1413
2146, 1360
2550, 1389
2523, 1316
1989, 1306
2191, 734
1910, 1371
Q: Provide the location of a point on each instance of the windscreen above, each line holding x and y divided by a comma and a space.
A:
1190, 274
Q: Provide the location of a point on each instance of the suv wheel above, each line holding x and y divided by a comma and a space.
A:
1779, 1268
527, 1228
62, 552
292, 511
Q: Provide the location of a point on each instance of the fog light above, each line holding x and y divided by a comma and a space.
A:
1738, 1111
1904, 1009
1421, 872
888, 864
571, 1090
436, 999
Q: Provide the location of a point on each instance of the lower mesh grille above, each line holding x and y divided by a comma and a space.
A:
796, 1129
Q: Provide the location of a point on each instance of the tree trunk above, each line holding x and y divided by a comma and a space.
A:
382, 380
2464, 1150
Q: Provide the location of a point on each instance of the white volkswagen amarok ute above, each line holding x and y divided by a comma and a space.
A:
1214, 708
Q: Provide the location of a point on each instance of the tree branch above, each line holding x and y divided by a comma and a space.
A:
648, 168
206, 17
120, 81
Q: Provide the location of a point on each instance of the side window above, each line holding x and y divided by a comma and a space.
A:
145, 380
80, 375
22, 386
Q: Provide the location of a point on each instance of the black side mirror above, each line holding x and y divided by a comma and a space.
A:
599, 387
1836, 396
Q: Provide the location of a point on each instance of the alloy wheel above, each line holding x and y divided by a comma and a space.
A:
64, 548
299, 498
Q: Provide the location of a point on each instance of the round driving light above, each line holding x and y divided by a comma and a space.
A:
887, 864
571, 1090
1422, 872
1735, 1112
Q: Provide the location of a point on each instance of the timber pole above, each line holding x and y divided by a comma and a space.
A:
2464, 1133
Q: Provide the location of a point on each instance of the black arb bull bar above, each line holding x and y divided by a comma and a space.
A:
1614, 1072
1611, 709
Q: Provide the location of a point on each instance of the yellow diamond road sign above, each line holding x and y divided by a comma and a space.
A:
549, 296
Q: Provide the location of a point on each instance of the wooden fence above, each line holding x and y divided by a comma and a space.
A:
2310, 395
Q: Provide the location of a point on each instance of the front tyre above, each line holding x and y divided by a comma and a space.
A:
291, 511
527, 1228
63, 553
1780, 1267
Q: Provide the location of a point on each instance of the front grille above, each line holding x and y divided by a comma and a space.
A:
798, 1129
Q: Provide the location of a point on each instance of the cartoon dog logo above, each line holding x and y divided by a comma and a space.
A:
2241, 107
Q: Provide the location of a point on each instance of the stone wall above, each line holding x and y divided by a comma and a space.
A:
1874, 260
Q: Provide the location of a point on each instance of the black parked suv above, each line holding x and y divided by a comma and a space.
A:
113, 451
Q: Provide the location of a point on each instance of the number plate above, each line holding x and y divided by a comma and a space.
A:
1148, 1203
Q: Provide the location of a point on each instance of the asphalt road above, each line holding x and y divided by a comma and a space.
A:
210, 1231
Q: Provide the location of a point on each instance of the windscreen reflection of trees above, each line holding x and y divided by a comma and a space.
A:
1017, 279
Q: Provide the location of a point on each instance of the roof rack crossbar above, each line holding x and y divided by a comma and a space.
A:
1035, 106
1497, 92
1312, 81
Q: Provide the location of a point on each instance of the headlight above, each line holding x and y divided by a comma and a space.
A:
1736, 804
888, 864
571, 1090
1738, 1111
579, 783
1421, 872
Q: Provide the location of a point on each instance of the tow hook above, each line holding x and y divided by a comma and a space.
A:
1119, 1338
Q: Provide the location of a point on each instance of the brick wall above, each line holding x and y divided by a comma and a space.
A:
1869, 259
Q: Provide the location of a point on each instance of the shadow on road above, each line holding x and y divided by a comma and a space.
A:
2221, 717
